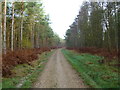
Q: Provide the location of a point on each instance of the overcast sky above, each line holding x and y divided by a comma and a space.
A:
62, 13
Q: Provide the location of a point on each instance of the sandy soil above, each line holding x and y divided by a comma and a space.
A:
58, 73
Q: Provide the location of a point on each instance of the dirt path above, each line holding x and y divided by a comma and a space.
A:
58, 73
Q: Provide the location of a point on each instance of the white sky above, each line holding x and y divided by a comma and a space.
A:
62, 13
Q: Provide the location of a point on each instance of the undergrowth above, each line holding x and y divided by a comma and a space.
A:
26, 74
94, 74
14, 58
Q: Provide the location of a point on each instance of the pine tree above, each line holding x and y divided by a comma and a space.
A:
4, 30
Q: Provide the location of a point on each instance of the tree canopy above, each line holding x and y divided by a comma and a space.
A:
26, 26
96, 25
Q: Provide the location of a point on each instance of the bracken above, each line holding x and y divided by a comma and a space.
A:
13, 58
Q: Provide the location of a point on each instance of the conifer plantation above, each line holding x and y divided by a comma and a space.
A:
26, 32
96, 29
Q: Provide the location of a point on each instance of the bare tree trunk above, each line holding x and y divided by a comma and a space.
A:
0, 29
4, 32
0, 41
0, 36
32, 34
38, 40
12, 30
21, 30
116, 29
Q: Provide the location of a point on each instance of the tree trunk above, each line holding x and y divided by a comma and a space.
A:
116, 26
12, 30
4, 32
0, 40
21, 30
32, 34
0, 31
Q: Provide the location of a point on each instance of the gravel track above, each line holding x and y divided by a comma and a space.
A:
58, 73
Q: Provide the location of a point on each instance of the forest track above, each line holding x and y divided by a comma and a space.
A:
58, 73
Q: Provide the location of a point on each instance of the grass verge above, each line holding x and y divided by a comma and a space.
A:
25, 75
94, 74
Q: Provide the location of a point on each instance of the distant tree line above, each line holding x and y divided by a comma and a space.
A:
25, 25
97, 25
